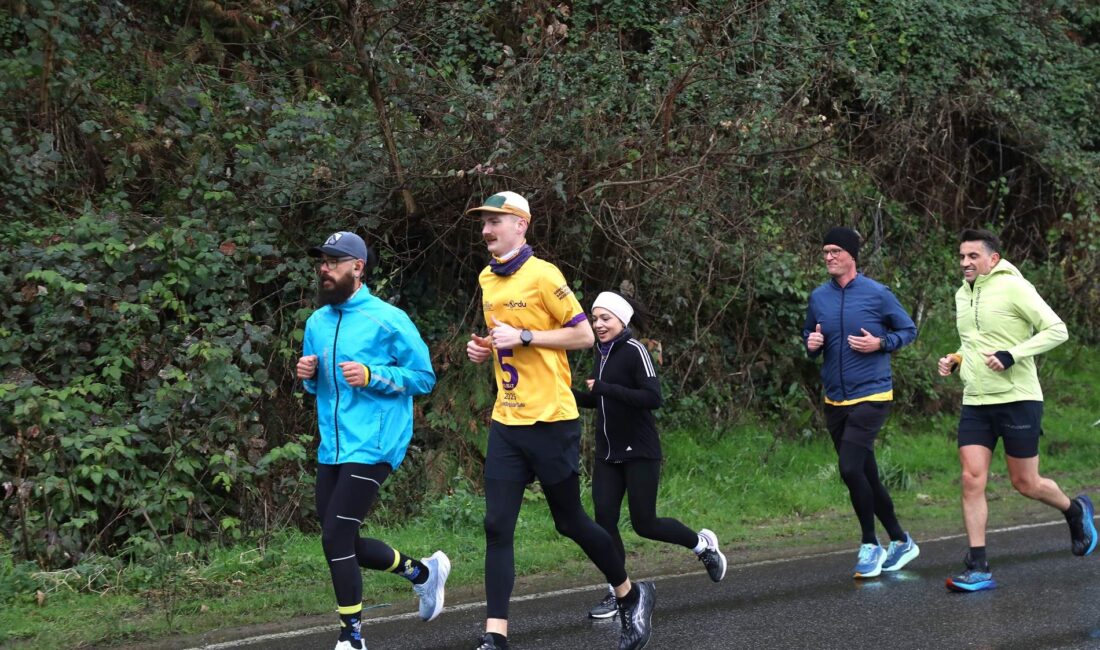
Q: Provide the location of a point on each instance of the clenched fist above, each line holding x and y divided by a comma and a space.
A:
307, 367
479, 348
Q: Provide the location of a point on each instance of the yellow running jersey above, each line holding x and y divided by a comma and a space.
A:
533, 383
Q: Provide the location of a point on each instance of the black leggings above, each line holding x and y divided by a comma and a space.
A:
869, 496
638, 480
502, 503
344, 495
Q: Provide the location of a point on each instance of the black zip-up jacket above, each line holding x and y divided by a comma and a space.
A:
625, 394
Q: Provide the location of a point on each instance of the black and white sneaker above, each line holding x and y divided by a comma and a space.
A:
637, 618
486, 643
606, 608
712, 558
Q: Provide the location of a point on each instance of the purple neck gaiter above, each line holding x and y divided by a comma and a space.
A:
512, 264
605, 348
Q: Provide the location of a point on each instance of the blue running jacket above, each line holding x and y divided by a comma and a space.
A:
864, 303
373, 423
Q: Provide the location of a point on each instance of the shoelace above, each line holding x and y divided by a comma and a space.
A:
708, 559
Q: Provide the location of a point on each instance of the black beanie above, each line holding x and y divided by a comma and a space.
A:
846, 238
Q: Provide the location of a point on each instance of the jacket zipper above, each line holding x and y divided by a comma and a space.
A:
975, 302
840, 363
336, 385
603, 408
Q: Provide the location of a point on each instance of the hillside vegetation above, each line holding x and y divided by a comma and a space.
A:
165, 165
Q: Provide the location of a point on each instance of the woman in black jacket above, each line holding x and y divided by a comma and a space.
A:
624, 390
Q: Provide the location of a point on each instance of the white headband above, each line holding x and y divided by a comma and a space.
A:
615, 304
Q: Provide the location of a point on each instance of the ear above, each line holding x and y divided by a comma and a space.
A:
522, 225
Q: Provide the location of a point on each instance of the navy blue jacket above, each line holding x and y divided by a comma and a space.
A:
841, 312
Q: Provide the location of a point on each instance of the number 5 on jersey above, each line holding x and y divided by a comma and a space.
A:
512, 375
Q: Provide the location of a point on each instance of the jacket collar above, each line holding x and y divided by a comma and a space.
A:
1001, 268
357, 300
836, 285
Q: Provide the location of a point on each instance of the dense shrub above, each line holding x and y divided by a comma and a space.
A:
165, 165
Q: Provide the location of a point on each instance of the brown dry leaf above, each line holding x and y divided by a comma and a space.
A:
40, 598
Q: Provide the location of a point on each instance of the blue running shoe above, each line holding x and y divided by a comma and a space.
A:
431, 592
871, 557
1082, 531
898, 554
971, 580
975, 578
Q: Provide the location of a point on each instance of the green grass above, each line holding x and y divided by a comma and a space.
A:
764, 495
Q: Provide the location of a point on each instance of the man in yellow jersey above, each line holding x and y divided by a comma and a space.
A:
533, 318
855, 323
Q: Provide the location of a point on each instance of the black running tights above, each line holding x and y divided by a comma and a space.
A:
870, 498
638, 480
344, 494
502, 503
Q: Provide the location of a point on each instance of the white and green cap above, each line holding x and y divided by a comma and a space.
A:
504, 203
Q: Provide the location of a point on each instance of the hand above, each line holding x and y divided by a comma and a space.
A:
815, 340
504, 336
307, 367
866, 344
354, 373
590, 382
947, 365
992, 362
478, 348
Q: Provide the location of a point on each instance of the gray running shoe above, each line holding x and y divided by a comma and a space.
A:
606, 608
431, 592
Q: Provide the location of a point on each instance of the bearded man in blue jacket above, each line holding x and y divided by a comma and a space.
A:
856, 323
364, 360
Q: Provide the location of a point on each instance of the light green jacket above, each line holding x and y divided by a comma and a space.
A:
1003, 311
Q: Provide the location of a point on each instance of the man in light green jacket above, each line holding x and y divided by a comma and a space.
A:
1003, 324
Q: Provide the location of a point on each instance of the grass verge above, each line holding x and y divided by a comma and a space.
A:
764, 495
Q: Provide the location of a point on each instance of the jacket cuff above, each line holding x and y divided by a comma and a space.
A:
1005, 358
366, 375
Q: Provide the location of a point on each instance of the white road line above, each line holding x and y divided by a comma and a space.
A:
572, 590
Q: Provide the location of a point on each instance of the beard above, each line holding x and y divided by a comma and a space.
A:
339, 292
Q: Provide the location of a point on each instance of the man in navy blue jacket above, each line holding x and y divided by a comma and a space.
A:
857, 322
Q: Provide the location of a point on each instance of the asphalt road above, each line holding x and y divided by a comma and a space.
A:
1046, 598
